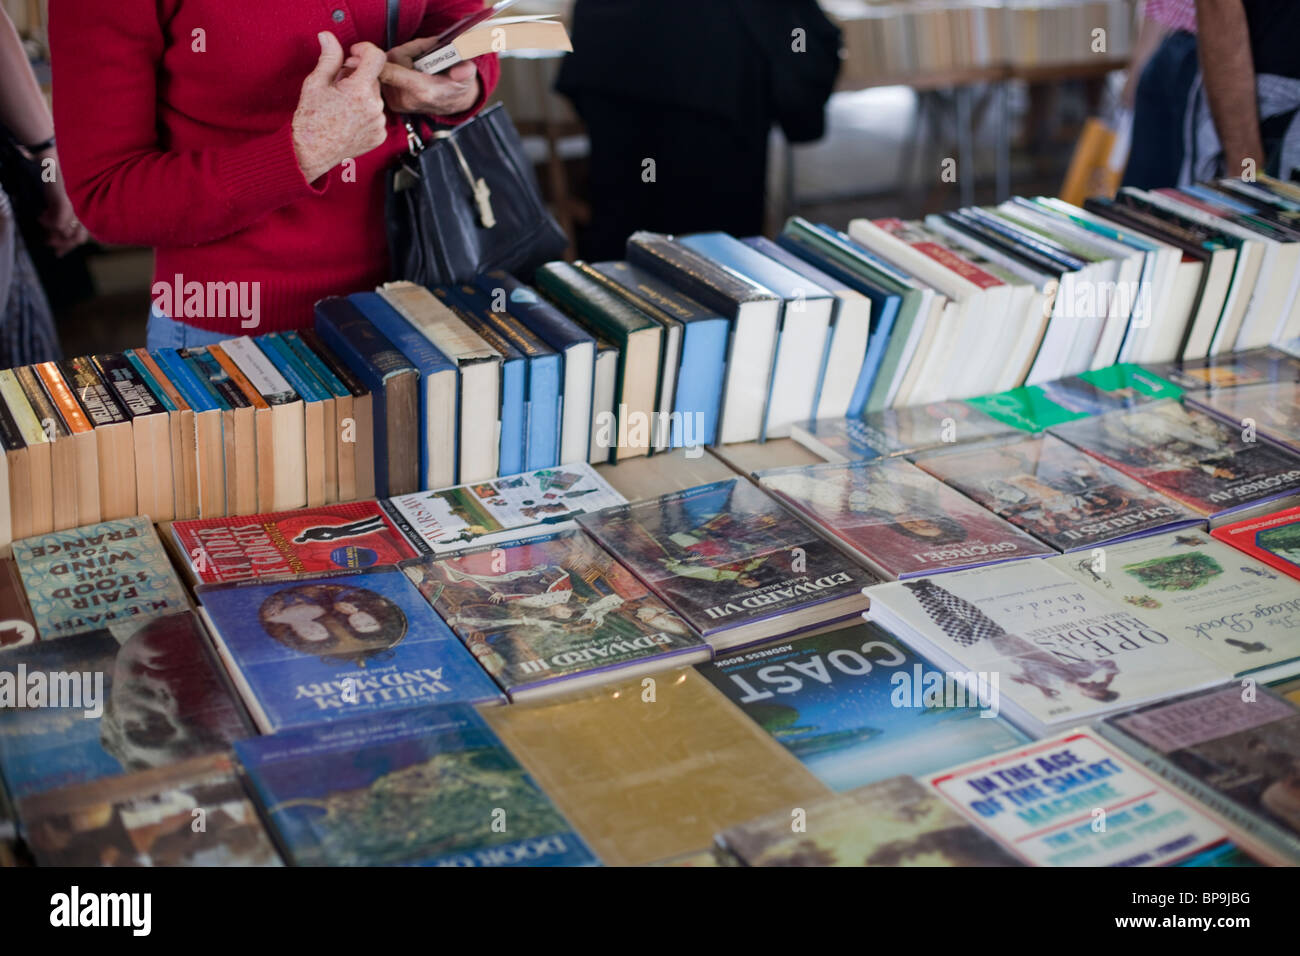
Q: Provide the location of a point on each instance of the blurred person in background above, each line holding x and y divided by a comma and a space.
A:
247, 143
1157, 89
679, 97
32, 196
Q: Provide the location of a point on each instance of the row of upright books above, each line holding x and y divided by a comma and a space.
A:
1050, 628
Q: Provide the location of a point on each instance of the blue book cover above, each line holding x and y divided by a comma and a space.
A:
152, 383
432, 786
131, 697
325, 648
419, 351
703, 365
196, 393
326, 378
514, 382
299, 377
884, 311
851, 704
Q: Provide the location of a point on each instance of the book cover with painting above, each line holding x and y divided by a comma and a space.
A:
1269, 411
144, 694
1043, 803
433, 786
347, 536
194, 813
1273, 539
894, 822
1232, 370
1236, 752
325, 648
1062, 652
856, 706
503, 509
731, 561
550, 613
1238, 612
88, 578
899, 519
1187, 455
897, 431
1056, 492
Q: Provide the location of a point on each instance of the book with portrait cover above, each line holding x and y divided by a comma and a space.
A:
430, 786
87, 578
892, 822
502, 509
854, 705
1237, 611
1043, 803
347, 536
731, 561
1033, 408
1237, 753
142, 694
898, 519
193, 813
315, 649
1056, 492
1273, 539
549, 613
1187, 455
897, 431
1269, 411
1232, 370
1062, 653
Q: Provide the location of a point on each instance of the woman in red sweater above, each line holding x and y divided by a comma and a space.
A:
247, 143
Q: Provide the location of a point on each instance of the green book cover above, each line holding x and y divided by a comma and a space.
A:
1034, 408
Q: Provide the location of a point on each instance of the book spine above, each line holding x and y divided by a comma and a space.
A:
327, 379
97, 400
132, 389
56, 387
251, 393
281, 361
28, 422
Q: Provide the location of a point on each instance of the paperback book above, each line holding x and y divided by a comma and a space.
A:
349, 536
503, 509
1057, 493
1187, 455
1042, 803
732, 562
427, 787
1273, 539
194, 813
1232, 370
1033, 408
893, 822
897, 431
898, 519
1059, 652
856, 706
144, 694
85, 579
325, 648
1270, 411
1236, 753
551, 612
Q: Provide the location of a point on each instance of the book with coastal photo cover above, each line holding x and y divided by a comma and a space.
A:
855, 706
1057, 493
1062, 653
897, 431
503, 509
897, 518
149, 695
317, 649
1237, 611
1236, 752
150, 818
894, 822
421, 787
731, 561
550, 613
1187, 455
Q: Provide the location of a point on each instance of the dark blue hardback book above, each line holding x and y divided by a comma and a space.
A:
431, 786
131, 697
567, 337
373, 359
317, 649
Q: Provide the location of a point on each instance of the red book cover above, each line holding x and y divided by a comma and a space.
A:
1273, 539
350, 536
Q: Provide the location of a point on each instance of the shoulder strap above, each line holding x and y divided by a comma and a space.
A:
394, 12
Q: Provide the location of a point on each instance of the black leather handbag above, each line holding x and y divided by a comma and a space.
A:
467, 202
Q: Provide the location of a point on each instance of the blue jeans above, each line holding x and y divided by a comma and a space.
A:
1160, 105
165, 333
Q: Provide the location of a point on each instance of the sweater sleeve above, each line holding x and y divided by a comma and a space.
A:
125, 186
489, 67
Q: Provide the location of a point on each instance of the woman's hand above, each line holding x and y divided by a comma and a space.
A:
63, 232
340, 112
407, 90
